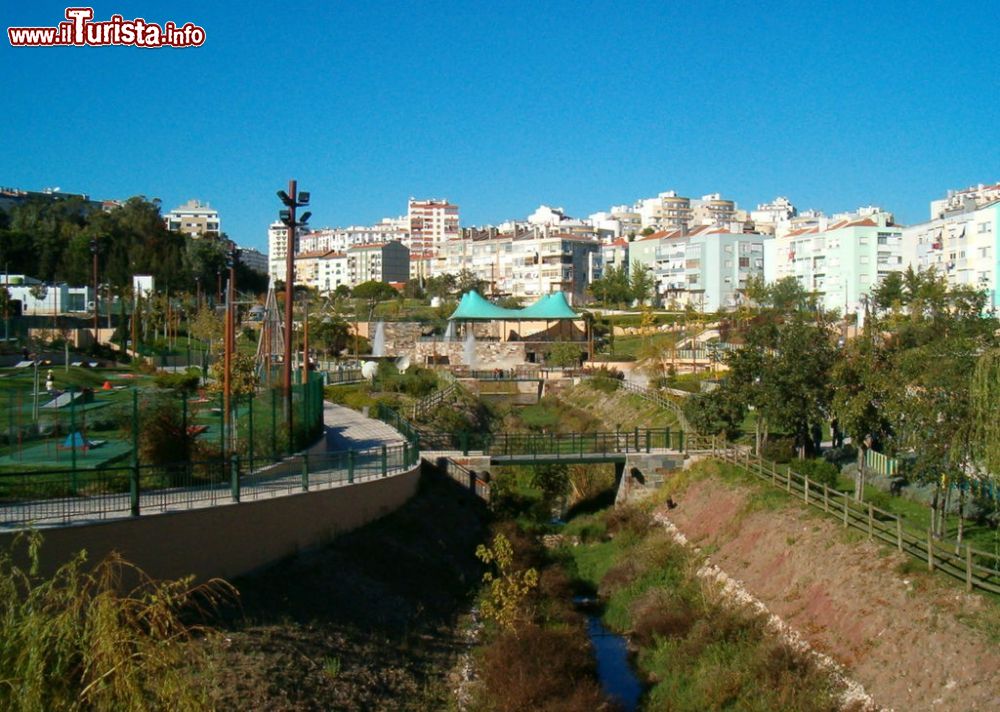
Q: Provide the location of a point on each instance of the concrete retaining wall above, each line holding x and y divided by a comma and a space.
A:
229, 540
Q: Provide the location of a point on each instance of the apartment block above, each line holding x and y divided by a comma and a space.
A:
963, 245
541, 265
717, 266
431, 223
277, 249
194, 218
840, 262
379, 262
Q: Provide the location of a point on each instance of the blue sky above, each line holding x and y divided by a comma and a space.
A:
503, 106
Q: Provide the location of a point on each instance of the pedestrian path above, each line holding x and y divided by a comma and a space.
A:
354, 448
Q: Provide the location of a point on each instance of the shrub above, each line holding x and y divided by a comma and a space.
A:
74, 641
779, 449
507, 589
540, 669
818, 471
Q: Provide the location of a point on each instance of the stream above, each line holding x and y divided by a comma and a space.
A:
617, 678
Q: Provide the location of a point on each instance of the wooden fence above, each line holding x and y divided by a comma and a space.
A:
978, 569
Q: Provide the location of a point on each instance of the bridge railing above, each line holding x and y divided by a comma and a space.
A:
47, 497
465, 477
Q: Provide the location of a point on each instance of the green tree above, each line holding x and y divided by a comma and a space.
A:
642, 282
467, 281
564, 354
613, 287
715, 413
373, 292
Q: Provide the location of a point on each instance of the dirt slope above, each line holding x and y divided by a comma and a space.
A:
910, 638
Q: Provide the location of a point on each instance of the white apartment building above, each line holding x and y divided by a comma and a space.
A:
322, 270
839, 262
545, 264
194, 218
717, 265
277, 249
489, 259
340, 239
713, 209
768, 216
962, 201
706, 266
963, 245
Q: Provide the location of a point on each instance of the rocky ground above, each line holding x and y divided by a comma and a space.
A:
915, 641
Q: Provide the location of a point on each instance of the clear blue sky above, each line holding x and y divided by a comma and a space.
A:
502, 106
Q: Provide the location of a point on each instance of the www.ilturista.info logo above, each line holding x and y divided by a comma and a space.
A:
80, 30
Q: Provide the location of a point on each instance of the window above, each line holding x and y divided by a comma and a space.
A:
744, 261
985, 227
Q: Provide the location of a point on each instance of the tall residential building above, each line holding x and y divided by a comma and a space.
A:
840, 262
194, 218
431, 224
277, 249
963, 245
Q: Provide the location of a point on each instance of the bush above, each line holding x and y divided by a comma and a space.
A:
779, 449
818, 471
74, 641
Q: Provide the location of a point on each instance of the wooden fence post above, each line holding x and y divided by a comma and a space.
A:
968, 568
930, 549
805, 490
871, 517
788, 480
899, 533
845, 510
826, 498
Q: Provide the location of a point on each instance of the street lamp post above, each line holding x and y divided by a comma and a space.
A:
94, 250
292, 200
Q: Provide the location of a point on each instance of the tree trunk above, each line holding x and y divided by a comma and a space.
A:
934, 506
961, 519
859, 476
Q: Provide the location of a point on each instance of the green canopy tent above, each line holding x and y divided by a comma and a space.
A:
548, 308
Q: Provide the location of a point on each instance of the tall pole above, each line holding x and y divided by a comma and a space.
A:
305, 342
227, 364
96, 310
289, 279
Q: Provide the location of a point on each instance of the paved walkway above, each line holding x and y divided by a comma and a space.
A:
328, 466
348, 429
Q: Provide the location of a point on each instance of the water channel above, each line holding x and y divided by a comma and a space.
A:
614, 671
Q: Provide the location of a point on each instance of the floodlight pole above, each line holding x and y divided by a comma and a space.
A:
289, 297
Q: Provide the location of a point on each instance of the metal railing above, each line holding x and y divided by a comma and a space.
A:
50, 497
977, 568
432, 401
465, 477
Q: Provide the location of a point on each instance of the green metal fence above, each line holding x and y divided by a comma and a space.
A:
63, 496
